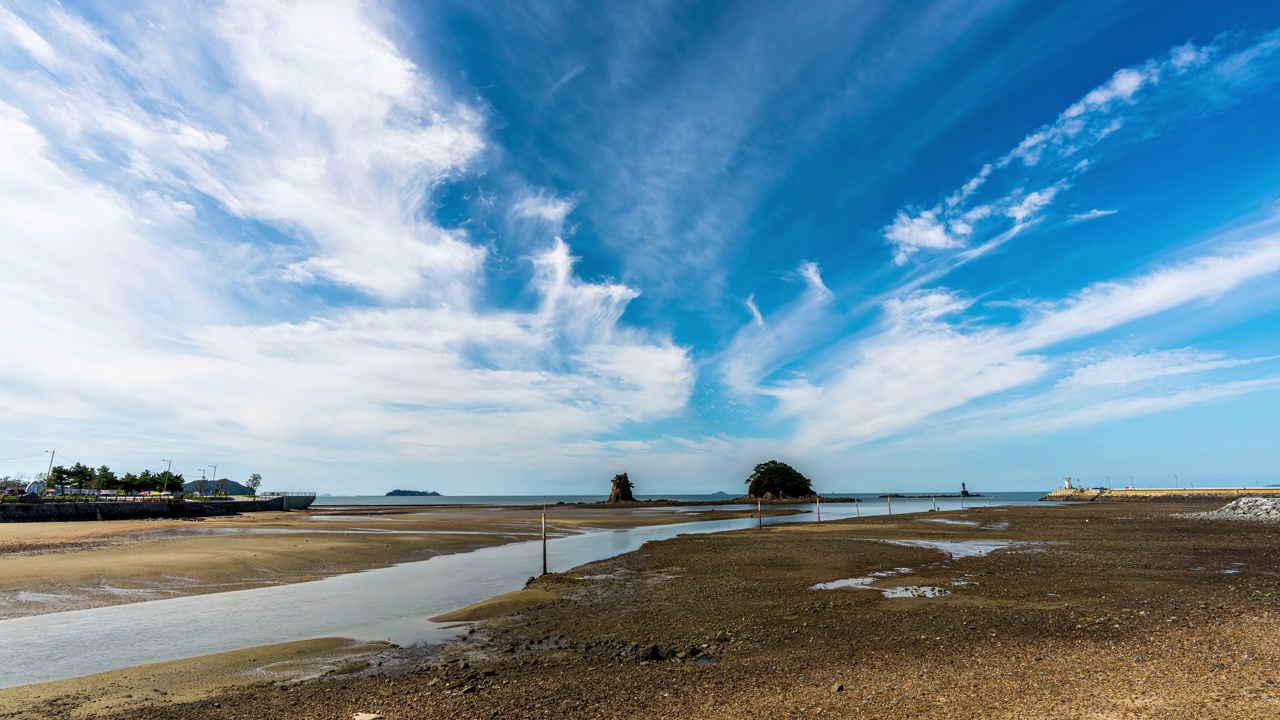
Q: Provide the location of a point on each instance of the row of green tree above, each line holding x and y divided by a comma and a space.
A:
83, 477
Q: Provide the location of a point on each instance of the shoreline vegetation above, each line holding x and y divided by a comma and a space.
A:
1084, 610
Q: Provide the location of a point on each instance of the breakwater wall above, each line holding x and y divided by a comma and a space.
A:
1157, 494
125, 510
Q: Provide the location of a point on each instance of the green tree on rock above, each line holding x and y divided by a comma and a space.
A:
779, 480
622, 488
253, 483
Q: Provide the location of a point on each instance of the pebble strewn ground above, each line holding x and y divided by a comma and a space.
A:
1106, 611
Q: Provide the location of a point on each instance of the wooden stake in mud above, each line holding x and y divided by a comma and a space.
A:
759, 514
544, 543
935, 504
856, 508
890, 501
818, 499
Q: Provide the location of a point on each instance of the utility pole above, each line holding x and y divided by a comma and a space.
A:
215, 477
52, 454
170, 468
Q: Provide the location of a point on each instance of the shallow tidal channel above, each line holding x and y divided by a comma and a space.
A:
384, 604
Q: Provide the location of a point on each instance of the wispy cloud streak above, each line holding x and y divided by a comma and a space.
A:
157, 174
930, 356
1131, 97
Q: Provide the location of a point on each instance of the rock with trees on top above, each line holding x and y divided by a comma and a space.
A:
775, 480
621, 491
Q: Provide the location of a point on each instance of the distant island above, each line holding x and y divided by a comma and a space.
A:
720, 493
413, 493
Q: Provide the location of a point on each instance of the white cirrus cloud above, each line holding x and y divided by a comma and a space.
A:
930, 356
305, 117
1134, 368
159, 180
1092, 214
910, 233
540, 206
1052, 152
768, 343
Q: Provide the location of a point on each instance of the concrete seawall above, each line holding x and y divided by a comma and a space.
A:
1157, 494
125, 510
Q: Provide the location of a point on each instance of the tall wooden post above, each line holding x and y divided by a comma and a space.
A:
544, 543
890, 501
818, 499
759, 514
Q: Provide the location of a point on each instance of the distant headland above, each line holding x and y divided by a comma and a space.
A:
413, 493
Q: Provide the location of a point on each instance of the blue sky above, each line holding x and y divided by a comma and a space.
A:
491, 247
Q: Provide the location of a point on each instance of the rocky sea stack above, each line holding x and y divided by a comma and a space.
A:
621, 491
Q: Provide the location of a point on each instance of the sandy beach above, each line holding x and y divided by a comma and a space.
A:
55, 566
1100, 611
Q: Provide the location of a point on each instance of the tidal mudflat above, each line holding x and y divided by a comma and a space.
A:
1093, 611
57, 566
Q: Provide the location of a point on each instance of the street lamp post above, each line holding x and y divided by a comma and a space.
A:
1175, 482
215, 477
170, 467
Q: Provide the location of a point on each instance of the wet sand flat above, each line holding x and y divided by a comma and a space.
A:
1099, 611
51, 567
135, 689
